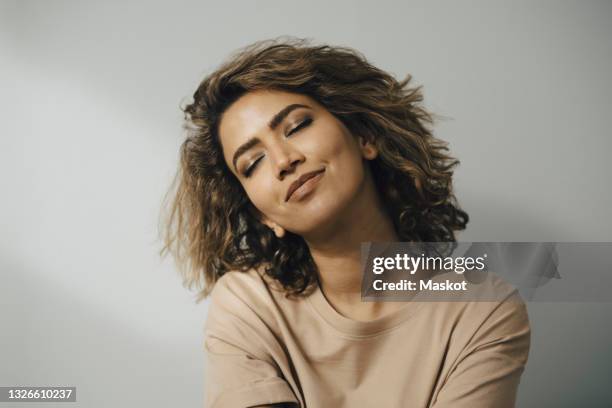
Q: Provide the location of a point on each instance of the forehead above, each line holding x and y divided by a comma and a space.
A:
250, 114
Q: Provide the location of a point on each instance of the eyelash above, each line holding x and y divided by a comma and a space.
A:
303, 124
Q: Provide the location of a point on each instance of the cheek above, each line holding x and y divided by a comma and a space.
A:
262, 197
346, 155
329, 143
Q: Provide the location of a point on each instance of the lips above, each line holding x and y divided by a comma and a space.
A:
301, 180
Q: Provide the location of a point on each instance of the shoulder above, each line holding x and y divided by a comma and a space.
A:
499, 320
236, 292
493, 311
502, 303
488, 349
241, 300
236, 285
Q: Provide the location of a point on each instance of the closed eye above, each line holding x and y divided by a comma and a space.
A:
250, 169
303, 124
306, 122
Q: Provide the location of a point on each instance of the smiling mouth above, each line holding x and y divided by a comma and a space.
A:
304, 185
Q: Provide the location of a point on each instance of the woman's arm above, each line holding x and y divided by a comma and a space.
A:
241, 370
236, 377
487, 373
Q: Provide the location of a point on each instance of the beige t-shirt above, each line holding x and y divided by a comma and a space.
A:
263, 348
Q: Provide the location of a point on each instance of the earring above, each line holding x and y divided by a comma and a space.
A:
371, 154
279, 231
369, 151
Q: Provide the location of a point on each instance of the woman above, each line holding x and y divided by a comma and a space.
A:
296, 155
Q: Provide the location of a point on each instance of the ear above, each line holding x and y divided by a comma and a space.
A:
369, 151
278, 230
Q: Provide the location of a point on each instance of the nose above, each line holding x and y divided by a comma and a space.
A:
285, 158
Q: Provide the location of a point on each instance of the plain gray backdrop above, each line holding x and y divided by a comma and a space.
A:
90, 131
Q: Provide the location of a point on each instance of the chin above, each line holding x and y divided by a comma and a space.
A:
319, 217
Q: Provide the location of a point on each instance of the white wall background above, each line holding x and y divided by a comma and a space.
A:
89, 135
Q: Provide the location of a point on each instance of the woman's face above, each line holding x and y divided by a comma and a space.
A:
271, 139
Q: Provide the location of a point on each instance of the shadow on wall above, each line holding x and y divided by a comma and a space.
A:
499, 220
570, 361
48, 338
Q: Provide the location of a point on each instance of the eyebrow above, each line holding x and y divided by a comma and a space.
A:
273, 124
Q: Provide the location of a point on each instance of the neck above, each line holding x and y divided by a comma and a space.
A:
337, 251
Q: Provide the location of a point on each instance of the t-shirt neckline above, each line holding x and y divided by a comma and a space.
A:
360, 328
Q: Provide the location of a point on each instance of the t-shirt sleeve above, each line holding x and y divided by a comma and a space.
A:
240, 370
487, 372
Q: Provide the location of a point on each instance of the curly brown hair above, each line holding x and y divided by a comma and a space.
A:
210, 227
